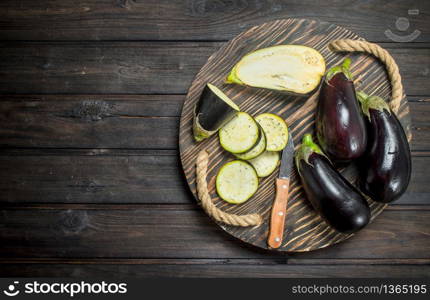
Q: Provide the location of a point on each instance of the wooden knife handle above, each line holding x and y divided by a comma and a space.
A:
279, 210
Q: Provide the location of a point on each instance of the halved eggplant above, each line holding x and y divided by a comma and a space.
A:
259, 148
290, 68
385, 169
236, 182
239, 135
276, 131
331, 195
213, 110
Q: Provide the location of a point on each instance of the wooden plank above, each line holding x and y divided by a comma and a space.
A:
196, 19
122, 121
270, 260
138, 67
182, 232
204, 270
90, 121
100, 68
92, 176
98, 107
420, 120
352, 261
123, 176
418, 191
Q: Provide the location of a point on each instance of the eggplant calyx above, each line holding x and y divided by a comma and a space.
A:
306, 149
342, 68
232, 77
371, 102
199, 132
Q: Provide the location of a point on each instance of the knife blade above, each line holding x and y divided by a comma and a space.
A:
279, 208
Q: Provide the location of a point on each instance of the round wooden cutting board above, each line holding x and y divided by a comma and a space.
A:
304, 229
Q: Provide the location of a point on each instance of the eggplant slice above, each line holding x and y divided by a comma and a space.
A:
213, 111
236, 182
290, 68
266, 163
276, 131
259, 148
240, 134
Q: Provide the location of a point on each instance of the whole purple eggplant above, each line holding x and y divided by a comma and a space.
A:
340, 125
331, 195
385, 169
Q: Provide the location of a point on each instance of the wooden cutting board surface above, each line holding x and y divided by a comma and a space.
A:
304, 229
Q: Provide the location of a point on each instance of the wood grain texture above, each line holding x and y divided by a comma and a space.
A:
140, 67
420, 118
195, 19
160, 231
304, 229
93, 176
209, 269
100, 68
122, 121
87, 121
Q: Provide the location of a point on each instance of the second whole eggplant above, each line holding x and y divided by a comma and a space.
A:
331, 195
340, 125
385, 169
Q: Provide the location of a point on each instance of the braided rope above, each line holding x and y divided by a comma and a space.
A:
209, 206
347, 45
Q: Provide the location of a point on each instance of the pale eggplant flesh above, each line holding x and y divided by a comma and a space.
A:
213, 110
337, 201
294, 69
340, 125
385, 169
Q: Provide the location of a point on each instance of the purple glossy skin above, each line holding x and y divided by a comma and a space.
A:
337, 201
340, 125
385, 170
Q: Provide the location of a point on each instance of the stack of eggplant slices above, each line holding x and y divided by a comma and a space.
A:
350, 127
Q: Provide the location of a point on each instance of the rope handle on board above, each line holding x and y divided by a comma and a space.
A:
345, 45
209, 206
348, 45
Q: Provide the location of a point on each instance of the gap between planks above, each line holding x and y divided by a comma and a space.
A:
154, 206
281, 260
193, 43
132, 97
36, 151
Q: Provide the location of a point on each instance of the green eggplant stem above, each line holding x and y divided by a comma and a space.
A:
362, 96
308, 142
232, 77
346, 63
371, 102
344, 68
307, 147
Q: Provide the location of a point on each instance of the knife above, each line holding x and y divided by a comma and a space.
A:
279, 208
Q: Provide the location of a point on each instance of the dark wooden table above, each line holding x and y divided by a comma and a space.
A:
90, 179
